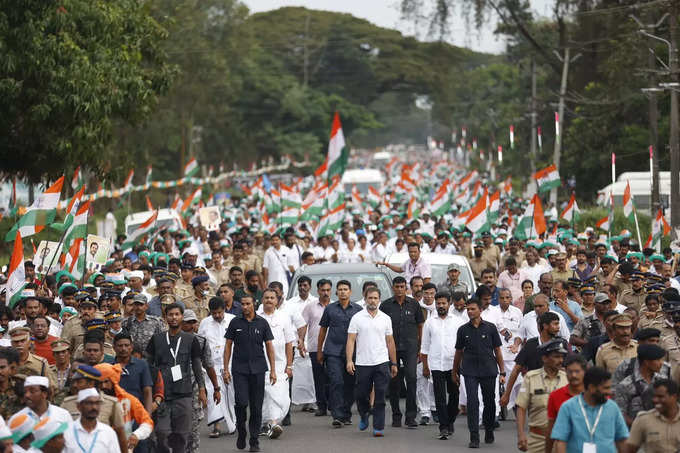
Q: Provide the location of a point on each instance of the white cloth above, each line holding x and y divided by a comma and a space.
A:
529, 326
461, 315
303, 382
294, 257
276, 398
54, 330
370, 345
424, 393
348, 256
439, 341
510, 319
275, 261
534, 272
103, 436
53, 412
430, 310
379, 253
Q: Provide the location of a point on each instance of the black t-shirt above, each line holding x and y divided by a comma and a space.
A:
405, 319
478, 344
248, 355
529, 358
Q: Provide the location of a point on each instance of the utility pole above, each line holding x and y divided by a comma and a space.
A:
653, 113
675, 149
534, 115
566, 60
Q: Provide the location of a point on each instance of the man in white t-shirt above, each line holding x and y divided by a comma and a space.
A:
274, 264
371, 331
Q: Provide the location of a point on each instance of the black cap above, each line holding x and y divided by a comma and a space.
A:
650, 352
647, 333
555, 345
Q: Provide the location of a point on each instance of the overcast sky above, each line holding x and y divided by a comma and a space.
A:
385, 13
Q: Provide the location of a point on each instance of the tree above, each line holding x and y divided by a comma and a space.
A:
69, 71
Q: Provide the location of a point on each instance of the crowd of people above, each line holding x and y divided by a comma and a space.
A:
576, 335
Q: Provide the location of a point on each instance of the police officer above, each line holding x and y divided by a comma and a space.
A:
246, 335
198, 300
658, 430
635, 296
671, 343
29, 363
626, 368
533, 396
621, 347
74, 329
592, 325
61, 369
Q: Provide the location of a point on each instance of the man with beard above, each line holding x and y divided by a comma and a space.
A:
42, 340
35, 306
370, 330
251, 288
591, 422
621, 347
87, 433
437, 352
29, 363
658, 430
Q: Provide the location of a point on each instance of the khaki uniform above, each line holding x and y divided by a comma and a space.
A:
73, 332
111, 412
561, 275
62, 389
621, 286
108, 351
667, 330
492, 254
654, 433
252, 262
672, 346
221, 275
198, 305
656, 322
610, 355
630, 298
478, 265
183, 289
533, 397
38, 366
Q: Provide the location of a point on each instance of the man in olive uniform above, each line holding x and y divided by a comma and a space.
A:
532, 399
74, 329
635, 296
183, 287
198, 300
658, 430
29, 363
11, 398
671, 343
111, 412
491, 251
61, 369
621, 347
669, 308
479, 262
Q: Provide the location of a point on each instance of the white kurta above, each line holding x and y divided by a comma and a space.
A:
214, 334
303, 378
276, 399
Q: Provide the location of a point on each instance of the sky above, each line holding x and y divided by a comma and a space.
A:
385, 13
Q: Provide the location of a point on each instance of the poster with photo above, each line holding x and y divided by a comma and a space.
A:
97, 252
46, 254
210, 217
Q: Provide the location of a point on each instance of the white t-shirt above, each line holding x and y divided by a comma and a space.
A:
371, 347
275, 261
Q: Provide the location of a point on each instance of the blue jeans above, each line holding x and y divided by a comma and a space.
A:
340, 388
372, 377
488, 384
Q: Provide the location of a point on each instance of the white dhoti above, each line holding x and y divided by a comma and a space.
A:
223, 412
276, 401
424, 393
303, 380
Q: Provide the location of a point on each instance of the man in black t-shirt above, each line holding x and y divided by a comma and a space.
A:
246, 335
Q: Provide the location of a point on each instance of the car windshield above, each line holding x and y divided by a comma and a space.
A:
355, 279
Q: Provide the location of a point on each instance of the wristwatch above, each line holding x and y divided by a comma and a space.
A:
290, 367
502, 374
394, 364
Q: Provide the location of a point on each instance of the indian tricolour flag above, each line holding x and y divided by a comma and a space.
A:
571, 212
547, 178
660, 228
628, 208
331, 221
357, 199
532, 224
290, 197
191, 199
312, 206
138, 233
605, 223
477, 220
413, 209
191, 168
338, 153
39, 214
289, 216
494, 206
441, 203
336, 195
77, 180
77, 230
128, 181
374, 198
16, 276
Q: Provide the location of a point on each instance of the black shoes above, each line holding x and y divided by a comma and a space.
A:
241, 441
424, 421
254, 448
411, 424
320, 412
443, 434
337, 423
473, 444
396, 422
488, 437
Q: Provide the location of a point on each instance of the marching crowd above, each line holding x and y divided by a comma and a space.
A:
578, 335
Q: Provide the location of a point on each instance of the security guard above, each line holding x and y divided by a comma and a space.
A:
198, 299
651, 314
183, 285
29, 363
111, 411
61, 369
93, 325
621, 347
635, 296
669, 308
658, 430
671, 343
533, 396
74, 329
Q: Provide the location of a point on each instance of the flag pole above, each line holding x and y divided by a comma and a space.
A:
637, 225
573, 211
61, 241
82, 277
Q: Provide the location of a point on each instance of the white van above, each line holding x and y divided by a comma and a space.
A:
362, 178
167, 218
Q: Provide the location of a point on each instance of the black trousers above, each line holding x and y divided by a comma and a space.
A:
320, 382
443, 386
374, 377
407, 361
248, 391
340, 388
488, 384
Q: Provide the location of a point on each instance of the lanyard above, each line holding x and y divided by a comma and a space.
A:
94, 441
591, 430
176, 350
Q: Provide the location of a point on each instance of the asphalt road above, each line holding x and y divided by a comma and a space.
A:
310, 434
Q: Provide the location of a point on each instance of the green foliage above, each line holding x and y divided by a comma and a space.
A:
69, 71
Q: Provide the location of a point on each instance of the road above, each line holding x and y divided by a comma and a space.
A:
310, 434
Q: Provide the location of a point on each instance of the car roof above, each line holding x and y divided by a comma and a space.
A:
432, 258
337, 268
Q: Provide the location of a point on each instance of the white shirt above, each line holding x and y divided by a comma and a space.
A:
53, 412
534, 272
461, 315
510, 319
350, 256
295, 256
284, 333
379, 253
492, 314
449, 249
439, 341
529, 326
371, 346
620, 308
275, 261
79, 440
214, 332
